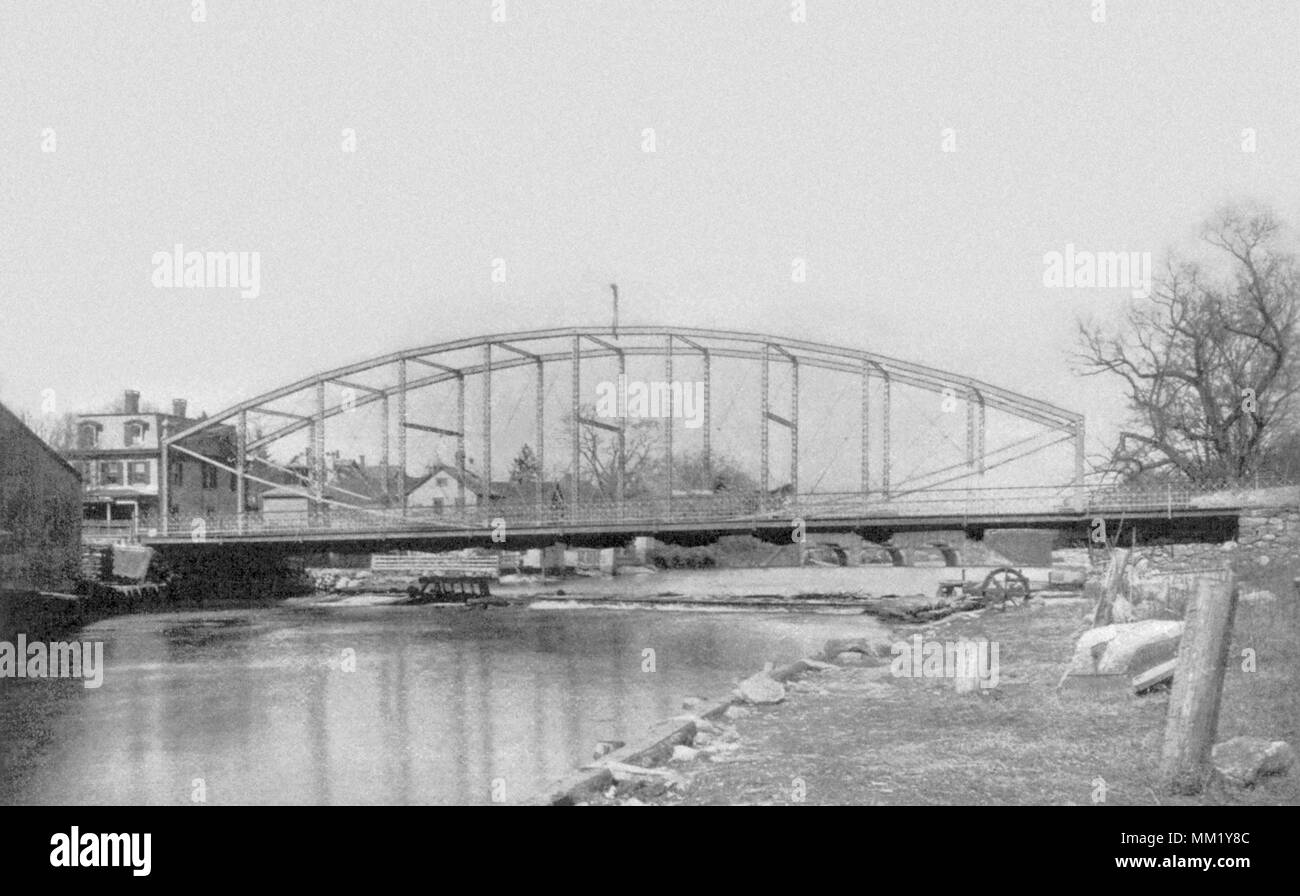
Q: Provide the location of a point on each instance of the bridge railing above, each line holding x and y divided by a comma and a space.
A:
720, 508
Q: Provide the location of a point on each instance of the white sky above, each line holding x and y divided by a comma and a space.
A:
523, 140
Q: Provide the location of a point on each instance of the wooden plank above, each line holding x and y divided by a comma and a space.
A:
1111, 683
1111, 585
1194, 700
1160, 674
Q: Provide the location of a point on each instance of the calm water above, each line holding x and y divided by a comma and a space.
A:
443, 701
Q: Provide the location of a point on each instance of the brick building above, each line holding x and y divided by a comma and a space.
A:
119, 456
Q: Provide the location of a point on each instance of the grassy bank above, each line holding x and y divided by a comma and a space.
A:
858, 735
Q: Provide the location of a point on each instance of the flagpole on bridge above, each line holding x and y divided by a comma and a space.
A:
613, 287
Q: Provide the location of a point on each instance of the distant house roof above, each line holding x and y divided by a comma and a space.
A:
499, 490
352, 479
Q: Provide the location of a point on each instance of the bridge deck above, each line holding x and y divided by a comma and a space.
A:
721, 514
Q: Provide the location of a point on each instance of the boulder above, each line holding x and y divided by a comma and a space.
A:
879, 647
761, 688
605, 747
734, 712
1243, 760
1126, 648
708, 725
683, 753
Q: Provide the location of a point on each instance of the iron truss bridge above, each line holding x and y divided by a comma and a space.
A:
832, 436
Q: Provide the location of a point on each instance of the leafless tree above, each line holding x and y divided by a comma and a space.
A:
598, 449
1211, 360
720, 474
59, 431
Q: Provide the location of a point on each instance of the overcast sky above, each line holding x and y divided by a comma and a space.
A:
774, 140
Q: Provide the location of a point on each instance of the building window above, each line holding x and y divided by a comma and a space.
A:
134, 433
234, 482
110, 472
441, 481
178, 473
437, 505
88, 435
137, 472
87, 471
209, 476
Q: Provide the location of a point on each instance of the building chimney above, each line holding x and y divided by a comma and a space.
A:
131, 403
178, 407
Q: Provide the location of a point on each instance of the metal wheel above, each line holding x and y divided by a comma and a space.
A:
1005, 584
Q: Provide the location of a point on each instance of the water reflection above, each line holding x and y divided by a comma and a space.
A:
442, 703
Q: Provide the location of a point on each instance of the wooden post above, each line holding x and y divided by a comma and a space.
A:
1111, 584
1198, 683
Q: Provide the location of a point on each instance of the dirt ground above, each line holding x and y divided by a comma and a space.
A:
859, 735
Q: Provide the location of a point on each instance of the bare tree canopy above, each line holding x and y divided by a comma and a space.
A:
1211, 361
59, 431
720, 473
599, 452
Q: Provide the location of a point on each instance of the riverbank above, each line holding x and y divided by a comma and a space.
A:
856, 734
47, 615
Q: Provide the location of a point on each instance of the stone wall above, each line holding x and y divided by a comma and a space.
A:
1161, 577
1266, 537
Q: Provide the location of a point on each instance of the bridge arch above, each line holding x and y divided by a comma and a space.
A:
306, 407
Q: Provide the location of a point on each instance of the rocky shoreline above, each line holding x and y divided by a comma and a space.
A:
844, 727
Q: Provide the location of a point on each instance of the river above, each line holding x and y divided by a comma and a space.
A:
356, 702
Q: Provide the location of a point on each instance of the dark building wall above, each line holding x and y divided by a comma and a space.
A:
40, 509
